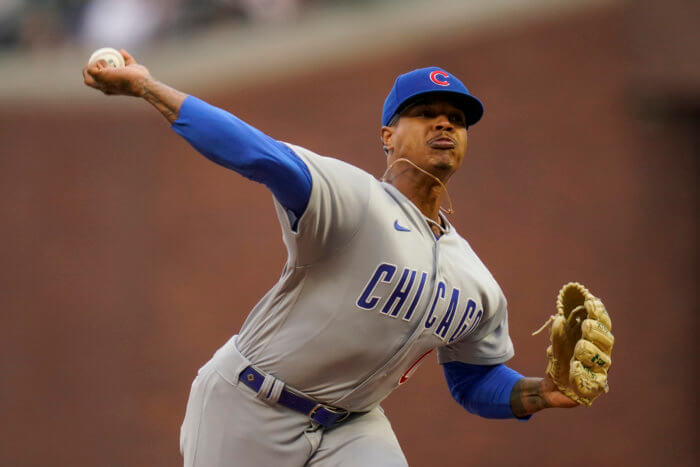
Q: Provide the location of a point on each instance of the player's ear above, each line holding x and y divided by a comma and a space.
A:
387, 137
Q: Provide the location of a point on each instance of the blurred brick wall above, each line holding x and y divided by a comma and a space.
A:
128, 259
662, 39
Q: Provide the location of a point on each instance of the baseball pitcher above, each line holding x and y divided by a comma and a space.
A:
375, 280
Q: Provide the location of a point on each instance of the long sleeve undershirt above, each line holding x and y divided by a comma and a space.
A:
483, 390
234, 144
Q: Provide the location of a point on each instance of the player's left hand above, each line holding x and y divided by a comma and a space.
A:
553, 397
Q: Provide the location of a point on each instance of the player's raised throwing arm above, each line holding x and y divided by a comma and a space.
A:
215, 133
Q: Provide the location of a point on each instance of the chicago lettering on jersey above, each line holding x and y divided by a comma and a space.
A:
406, 288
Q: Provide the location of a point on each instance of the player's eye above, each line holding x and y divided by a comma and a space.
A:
458, 119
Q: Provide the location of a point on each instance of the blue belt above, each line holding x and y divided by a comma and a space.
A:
319, 413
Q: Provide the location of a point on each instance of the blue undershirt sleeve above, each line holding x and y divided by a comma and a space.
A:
232, 143
483, 390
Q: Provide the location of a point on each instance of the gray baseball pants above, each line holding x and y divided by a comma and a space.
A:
227, 425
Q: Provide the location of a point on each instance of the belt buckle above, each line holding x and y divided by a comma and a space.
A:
313, 411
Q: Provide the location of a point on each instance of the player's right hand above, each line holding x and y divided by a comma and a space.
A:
128, 80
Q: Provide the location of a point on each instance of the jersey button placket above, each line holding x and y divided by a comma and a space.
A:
434, 288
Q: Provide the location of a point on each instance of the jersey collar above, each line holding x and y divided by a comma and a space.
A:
408, 204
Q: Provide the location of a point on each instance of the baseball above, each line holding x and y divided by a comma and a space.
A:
112, 56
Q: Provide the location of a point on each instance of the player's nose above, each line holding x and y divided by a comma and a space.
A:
442, 122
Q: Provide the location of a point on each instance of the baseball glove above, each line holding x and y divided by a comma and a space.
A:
579, 357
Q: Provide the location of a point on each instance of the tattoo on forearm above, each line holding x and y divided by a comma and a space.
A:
164, 98
526, 397
159, 104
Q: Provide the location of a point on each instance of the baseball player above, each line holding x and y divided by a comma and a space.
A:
376, 279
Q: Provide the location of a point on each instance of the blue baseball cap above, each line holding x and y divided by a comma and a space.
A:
428, 81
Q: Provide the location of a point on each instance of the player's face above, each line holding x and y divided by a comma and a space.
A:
432, 134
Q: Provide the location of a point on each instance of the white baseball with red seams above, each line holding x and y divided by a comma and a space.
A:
112, 56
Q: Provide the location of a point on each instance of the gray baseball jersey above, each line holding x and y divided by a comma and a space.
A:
367, 292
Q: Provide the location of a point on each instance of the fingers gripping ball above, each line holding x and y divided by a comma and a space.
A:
111, 56
579, 356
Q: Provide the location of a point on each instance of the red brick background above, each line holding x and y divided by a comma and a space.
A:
127, 259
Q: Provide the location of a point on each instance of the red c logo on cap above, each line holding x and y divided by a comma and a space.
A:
440, 82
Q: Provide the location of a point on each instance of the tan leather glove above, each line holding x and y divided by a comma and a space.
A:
579, 357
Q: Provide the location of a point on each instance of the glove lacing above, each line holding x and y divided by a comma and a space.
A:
546, 323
